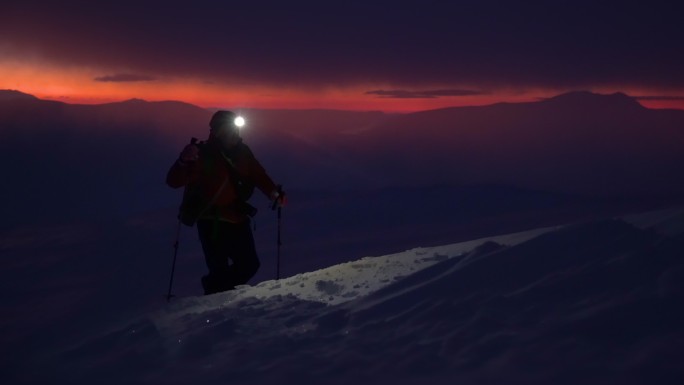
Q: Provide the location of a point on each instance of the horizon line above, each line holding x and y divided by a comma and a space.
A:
101, 102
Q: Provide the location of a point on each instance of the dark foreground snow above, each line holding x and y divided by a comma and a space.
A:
591, 303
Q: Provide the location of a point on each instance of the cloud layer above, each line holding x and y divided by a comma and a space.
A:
124, 78
428, 94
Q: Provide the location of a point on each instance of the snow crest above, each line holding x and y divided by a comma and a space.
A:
595, 302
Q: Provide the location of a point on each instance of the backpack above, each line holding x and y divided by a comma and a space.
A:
243, 187
193, 204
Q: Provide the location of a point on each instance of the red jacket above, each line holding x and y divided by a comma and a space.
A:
209, 172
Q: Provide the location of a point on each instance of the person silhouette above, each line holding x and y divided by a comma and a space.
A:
219, 176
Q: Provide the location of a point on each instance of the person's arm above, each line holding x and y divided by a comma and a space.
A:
184, 170
260, 177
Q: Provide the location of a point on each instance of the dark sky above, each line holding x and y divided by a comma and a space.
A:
433, 48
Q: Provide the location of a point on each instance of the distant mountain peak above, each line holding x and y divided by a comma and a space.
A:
6, 95
587, 98
143, 102
591, 95
134, 100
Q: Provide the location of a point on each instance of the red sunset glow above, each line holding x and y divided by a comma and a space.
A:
285, 59
78, 86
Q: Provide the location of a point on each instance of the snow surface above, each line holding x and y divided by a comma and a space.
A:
591, 303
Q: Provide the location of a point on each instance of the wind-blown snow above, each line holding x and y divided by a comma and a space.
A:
591, 303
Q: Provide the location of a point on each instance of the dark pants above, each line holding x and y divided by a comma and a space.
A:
229, 252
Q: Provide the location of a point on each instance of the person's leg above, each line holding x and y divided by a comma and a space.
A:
214, 245
242, 253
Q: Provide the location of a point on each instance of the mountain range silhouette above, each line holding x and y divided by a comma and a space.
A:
578, 143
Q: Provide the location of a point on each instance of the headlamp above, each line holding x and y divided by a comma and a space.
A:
239, 122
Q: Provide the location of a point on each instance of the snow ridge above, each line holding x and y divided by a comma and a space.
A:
595, 302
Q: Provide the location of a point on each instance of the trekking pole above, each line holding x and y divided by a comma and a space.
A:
280, 209
173, 266
175, 245
280, 215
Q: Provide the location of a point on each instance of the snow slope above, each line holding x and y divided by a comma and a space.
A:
591, 303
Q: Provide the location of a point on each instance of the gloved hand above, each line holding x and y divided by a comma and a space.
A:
189, 154
279, 198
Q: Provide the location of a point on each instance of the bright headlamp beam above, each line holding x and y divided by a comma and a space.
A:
239, 122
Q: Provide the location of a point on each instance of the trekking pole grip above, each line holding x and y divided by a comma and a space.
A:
279, 190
